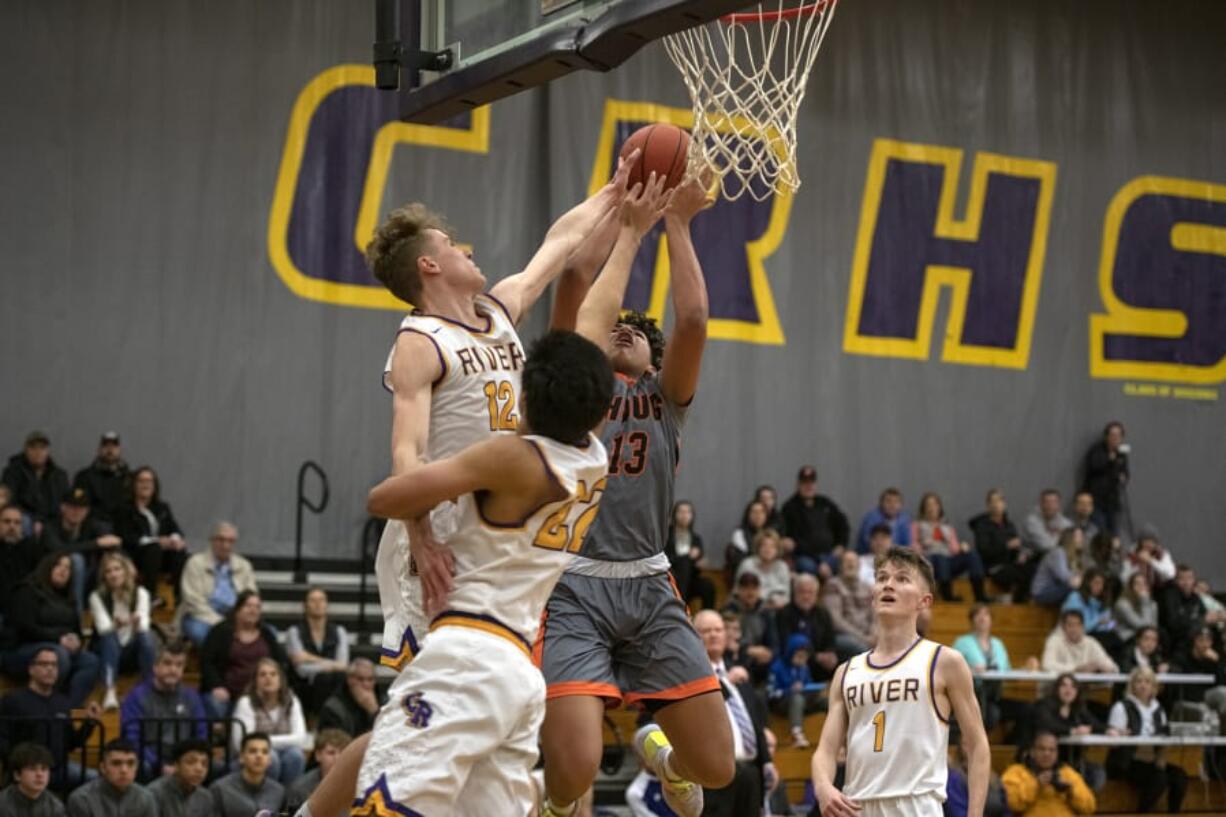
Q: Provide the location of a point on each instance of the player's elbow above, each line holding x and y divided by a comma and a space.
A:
692, 318
378, 502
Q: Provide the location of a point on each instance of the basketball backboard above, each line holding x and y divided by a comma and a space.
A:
486, 50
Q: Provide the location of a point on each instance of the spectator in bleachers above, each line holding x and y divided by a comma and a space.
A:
19, 554
251, 789
769, 498
957, 792
985, 652
40, 714
1103, 554
1068, 649
106, 480
328, 746
1045, 523
1145, 650
150, 532
353, 707
772, 570
849, 602
181, 793
936, 539
1149, 557
757, 625
116, 793
211, 582
1095, 607
1146, 767
1135, 607
737, 656
805, 615
889, 511
30, 765
83, 537
685, 556
1005, 559
880, 540
1084, 518
789, 677
1201, 657
161, 710
815, 522
1039, 785
232, 651
270, 706
1215, 611
1059, 571
318, 649
753, 522
1063, 712
120, 609
43, 615
36, 482
1106, 476
1180, 611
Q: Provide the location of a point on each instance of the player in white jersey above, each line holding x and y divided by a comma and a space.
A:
454, 374
458, 733
891, 708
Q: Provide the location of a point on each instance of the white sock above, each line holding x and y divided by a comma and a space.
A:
561, 811
303, 811
666, 764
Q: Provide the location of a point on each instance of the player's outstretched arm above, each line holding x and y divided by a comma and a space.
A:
640, 210
826, 759
581, 269
520, 291
683, 354
498, 464
960, 690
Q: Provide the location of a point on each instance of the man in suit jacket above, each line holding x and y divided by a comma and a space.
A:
755, 774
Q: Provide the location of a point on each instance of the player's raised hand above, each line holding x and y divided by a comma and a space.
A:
644, 205
692, 196
616, 187
834, 804
435, 565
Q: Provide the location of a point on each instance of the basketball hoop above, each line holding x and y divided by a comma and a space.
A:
746, 74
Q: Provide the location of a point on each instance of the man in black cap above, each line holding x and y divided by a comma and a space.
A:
37, 483
815, 522
107, 480
83, 537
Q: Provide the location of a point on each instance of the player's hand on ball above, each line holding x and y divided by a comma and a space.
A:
617, 184
644, 205
435, 565
692, 197
834, 804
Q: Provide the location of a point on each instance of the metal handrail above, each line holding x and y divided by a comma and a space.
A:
314, 507
372, 532
65, 774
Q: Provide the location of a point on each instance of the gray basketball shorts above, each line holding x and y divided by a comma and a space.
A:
624, 640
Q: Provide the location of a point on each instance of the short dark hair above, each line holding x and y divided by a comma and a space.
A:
337, 738
568, 385
250, 736
25, 755
11, 506
189, 745
47, 648
891, 491
880, 529
1049, 492
977, 608
1113, 424
174, 647
908, 558
400, 240
648, 326
121, 746
1184, 567
1072, 612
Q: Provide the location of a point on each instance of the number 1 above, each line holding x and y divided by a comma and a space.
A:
879, 738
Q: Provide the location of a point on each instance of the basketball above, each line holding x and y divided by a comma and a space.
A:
665, 148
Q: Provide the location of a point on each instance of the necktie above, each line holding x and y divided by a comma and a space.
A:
740, 715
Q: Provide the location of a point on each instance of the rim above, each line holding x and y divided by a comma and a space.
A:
819, 7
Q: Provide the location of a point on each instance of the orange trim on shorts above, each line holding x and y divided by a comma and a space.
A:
538, 645
676, 590
687, 690
565, 689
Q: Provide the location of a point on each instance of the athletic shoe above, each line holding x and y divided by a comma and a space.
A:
799, 741
653, 748
109, 701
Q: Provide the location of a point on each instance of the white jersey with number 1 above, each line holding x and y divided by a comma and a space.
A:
897, 739
475, 397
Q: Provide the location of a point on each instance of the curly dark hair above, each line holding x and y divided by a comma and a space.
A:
568, 385
648, 326
393, 252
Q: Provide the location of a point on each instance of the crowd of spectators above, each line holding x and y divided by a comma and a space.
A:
82, 564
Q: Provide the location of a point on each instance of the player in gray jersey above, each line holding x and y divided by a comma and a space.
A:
615, 630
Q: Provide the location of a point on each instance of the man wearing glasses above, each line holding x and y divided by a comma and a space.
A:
211, 582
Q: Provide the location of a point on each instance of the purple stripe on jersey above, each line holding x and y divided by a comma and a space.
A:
489, 322
868, 656
932, 684
487, 619
501, 306
442, 361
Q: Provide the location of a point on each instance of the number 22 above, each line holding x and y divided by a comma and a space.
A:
879, 737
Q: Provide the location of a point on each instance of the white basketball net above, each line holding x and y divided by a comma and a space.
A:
746, 74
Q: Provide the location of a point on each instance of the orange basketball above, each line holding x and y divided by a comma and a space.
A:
664, 149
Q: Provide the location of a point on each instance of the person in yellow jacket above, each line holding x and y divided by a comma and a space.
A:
1040, 786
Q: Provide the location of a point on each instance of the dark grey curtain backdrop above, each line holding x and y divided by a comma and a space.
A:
140, 144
